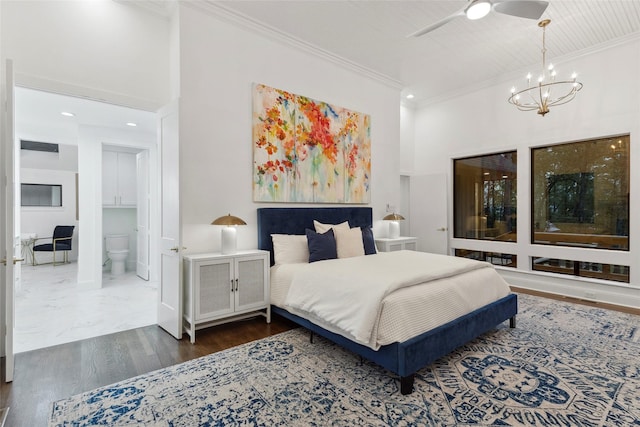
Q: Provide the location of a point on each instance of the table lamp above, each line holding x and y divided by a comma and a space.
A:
228, 237
394, 225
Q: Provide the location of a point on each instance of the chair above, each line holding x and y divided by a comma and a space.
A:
61, 241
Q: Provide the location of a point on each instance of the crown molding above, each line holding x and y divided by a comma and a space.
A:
218, 10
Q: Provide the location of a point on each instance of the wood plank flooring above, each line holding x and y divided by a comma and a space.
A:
47, 375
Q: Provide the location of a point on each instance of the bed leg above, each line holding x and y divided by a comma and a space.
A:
406, 384
512, 322
311, 337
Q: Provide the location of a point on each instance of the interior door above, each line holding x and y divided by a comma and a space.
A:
10, 243
170, 289
142, 214
428, 209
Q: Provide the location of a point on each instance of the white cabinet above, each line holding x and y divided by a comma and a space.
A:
119, 179
221, 288
397, 244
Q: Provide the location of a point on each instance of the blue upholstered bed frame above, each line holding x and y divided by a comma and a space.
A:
403, 358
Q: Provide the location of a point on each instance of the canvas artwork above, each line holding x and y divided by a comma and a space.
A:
308, 151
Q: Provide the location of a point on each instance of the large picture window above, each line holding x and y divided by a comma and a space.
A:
485, 197
580, 194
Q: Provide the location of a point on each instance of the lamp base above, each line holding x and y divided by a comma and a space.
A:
229, 240
394, 229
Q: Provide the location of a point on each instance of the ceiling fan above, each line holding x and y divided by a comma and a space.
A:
476, 9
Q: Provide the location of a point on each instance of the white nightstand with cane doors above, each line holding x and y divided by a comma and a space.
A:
222, 288
387, 244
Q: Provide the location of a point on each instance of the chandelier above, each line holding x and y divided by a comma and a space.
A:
547, 91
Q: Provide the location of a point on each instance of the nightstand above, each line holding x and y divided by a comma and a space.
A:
397, 244
222, 288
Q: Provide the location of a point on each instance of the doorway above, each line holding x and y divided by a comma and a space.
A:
88, 126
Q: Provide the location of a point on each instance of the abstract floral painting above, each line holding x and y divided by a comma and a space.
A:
308, 151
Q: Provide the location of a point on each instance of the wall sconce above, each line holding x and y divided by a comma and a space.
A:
228, 237
394, 225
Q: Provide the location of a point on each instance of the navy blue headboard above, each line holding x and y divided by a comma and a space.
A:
296, 220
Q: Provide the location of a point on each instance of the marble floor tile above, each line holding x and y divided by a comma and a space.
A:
51, 308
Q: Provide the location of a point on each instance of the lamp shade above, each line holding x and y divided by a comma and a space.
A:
228, 235
228, 220
393, 217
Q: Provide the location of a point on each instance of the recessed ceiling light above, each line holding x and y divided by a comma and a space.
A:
132, 124
67, 114
410, 96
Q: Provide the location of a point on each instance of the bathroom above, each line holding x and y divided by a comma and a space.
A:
83, 299
124, 212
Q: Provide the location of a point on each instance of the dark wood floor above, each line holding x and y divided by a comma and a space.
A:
47, 375
580, 301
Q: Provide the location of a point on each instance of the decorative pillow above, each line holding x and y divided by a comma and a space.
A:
321, 245
322, 228
368, 241
290, 248
349, 242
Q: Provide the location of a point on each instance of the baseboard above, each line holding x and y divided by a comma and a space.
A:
589, 290
3, 416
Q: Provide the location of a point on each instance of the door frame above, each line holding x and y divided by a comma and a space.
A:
10, 243
154, 199
55, 87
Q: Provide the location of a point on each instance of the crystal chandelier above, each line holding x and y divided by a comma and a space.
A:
547, 91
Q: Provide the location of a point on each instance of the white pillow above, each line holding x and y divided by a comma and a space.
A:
349, 242
290, 248
323, 228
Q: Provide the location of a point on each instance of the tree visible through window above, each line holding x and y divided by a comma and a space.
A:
571, 197
580, 194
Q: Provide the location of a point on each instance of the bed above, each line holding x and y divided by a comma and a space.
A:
403, 358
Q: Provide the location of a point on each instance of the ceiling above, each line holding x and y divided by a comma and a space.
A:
39, 113
371, 36
460, 55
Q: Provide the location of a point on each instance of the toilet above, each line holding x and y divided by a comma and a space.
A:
117, 251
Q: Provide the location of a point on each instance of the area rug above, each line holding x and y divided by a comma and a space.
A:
564, 365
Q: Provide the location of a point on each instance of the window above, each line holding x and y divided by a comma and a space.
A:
617, 273
485, 194
580, 196
495, 258
41, 195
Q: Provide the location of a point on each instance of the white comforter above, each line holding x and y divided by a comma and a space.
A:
345, 295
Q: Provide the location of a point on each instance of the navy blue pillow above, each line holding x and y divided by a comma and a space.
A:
321, 245
367, 241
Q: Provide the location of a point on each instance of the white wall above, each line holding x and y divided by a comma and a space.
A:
65, 159
483, 122
42, 220
98, 48
407, 140
219, 63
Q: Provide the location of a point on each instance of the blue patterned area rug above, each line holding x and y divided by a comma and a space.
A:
564, 365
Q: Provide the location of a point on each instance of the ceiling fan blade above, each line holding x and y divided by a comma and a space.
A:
532, 9
438, 24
